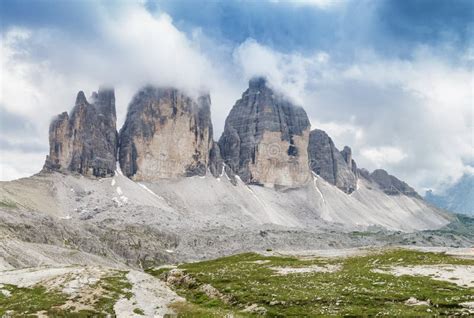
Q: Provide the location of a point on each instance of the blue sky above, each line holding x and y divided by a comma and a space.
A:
393, 79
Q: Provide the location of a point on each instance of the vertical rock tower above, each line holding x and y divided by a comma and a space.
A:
265, 138
86, 141
166, 135
337, 168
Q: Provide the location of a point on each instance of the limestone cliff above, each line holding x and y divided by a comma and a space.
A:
166, 134
337, 168
392, 185
86, 141
265, 138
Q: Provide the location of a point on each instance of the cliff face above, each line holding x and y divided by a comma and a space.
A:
265, 138
86, 141
166, 135
392, 185
337, 168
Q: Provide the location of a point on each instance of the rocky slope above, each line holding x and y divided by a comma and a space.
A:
166, 135
86, 141
337, 168
392, 185
265, 138
165, 207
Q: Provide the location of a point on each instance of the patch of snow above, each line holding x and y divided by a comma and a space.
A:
118, 170
150, 191
67, 217
113, 182
316, 187
124, 199
169, 251
119, 191
223, 170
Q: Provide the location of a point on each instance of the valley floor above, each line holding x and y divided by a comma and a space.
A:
363, 281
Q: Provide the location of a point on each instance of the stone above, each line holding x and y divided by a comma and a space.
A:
166, 134
326, 161
392, 185
265, 138
216, 163
86, 141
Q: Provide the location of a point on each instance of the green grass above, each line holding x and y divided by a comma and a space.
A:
353, 290
25, 301
28, 301
115, 287
4, 203
157, 271
138, 311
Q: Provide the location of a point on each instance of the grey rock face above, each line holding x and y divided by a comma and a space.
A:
166, 135
391, 185
265, 138
333, 166
85, 142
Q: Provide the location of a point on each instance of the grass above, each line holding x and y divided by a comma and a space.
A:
138, 311
26, 301
115, 287
354, 290
29, 301
4, 203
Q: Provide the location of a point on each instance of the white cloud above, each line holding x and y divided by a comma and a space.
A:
412, 117
322, 4
383, 156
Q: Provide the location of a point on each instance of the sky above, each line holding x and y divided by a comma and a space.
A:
393, 79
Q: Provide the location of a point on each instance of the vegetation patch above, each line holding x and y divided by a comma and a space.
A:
19, 301
7, 204
114, 287
252, 287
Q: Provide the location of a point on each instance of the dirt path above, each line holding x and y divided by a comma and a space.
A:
151, 297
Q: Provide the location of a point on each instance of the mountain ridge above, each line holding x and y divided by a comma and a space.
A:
199, 205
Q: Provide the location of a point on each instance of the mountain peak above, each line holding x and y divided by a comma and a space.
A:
258, 82
81, 98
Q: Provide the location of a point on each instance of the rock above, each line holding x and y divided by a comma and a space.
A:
412, 301
391, 185
333, 166
85, 142
255, 309
216, 163
166, 134
265, 138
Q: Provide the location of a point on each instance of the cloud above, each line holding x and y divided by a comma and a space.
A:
401, 102
383, 156
412, 117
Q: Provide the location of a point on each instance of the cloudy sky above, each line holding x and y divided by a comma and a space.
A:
392, 79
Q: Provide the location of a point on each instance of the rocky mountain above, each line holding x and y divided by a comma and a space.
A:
86, 141
457, 198
392, 185
337, 168
166, 134
265, 138
181, 196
